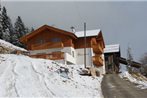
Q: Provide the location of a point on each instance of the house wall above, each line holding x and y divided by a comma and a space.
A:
79, 43
49, 36
80, 57
69, 53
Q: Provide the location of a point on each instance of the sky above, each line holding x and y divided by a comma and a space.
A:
123, 22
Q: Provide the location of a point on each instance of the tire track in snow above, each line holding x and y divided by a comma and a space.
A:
32, 65
15, 74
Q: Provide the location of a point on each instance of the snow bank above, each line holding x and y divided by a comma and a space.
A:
22, 76
10, 46
138, 79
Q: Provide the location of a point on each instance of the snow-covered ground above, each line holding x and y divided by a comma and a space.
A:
138, 79
22, 76
10, 46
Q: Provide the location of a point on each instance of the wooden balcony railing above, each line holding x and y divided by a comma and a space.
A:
47, 45
68, 43
97, 61
97, 49
51, 56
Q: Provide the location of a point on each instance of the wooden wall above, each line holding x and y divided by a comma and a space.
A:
48, 36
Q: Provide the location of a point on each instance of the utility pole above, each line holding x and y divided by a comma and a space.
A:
85, 45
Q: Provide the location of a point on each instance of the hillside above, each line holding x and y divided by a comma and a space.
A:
135, 78
22, 76
8, 47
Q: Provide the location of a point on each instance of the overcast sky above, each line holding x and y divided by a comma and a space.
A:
123, 23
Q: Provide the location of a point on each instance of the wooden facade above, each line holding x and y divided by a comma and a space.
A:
47, 37
112, 62
112, 55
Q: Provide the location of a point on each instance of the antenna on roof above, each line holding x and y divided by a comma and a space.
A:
73, 29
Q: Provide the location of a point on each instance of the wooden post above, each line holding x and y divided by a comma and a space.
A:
85, 45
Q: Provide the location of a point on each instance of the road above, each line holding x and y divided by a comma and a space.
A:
115, 87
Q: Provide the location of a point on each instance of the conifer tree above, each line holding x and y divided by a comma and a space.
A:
19, 27
1, 34
6, 23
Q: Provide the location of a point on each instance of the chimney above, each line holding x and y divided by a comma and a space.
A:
73, 29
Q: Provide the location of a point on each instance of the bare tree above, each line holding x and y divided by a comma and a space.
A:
129, 59
143, 61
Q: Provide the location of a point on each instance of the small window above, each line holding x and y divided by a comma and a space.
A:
73, 53
56, 40
39, 41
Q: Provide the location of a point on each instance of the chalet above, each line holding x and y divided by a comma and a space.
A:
113, 59
66, 47
112, 55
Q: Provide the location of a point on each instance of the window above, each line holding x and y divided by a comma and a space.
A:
56, 40
39, 41
73, 53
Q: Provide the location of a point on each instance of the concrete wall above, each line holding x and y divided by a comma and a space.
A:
70, 53
80, 56
69, 58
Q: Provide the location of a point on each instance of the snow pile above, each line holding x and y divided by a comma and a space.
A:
22, 76
10, 46
138, 79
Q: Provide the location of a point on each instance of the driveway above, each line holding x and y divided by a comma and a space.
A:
115, 87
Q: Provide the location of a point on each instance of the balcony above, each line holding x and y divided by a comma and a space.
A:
47, 45
97, 49
51, 56
97, 61
69, 58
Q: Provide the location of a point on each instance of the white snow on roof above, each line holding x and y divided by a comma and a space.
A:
10, 46
88, 33
111, 48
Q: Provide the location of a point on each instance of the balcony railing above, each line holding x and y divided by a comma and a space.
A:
47, 45
51, 56
97, 49
97, 60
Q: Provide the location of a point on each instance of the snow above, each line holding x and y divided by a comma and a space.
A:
112, 48
22, 76
138, 79
10, 46
88, 33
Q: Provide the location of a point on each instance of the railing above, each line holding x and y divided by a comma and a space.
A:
97, 49
51, 56
97, 60
47, 45
68, 43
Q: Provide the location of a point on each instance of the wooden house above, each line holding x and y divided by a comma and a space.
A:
112, 55
66, 47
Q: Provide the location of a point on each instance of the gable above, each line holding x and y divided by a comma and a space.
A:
39, 31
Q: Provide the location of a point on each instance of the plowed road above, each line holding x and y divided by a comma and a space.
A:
115, 87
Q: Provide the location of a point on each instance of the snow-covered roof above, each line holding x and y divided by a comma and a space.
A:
10, 46
88, 33
112, 48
